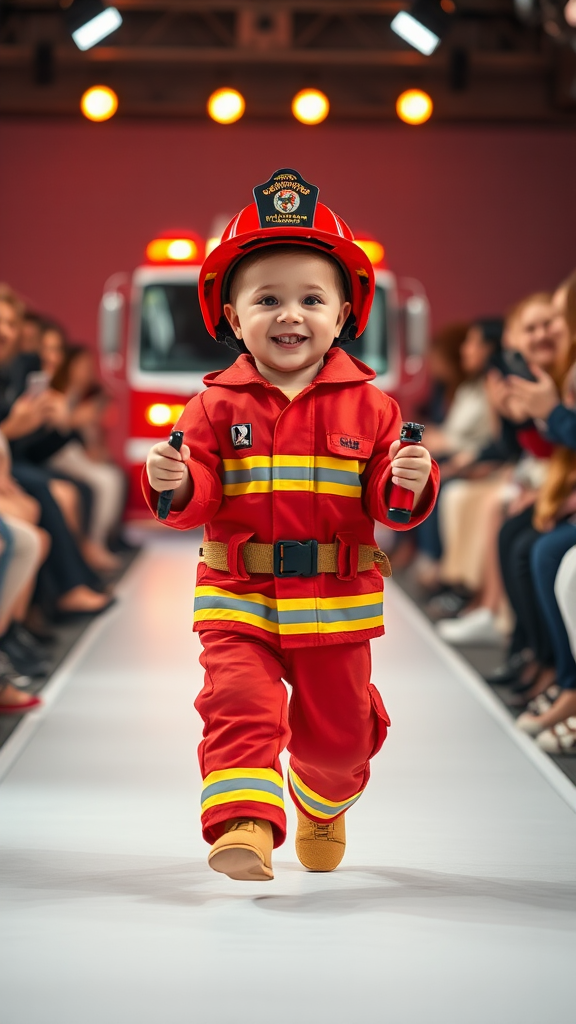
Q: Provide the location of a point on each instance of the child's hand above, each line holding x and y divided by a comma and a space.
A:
410, 467
166, 467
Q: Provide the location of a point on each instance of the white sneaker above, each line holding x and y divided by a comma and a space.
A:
477, 627
560, 739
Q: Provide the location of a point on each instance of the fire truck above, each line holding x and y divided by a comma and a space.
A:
154, 348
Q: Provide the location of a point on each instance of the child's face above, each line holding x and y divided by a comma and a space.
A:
287, 309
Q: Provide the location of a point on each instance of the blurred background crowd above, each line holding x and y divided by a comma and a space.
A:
494, 565
61, 495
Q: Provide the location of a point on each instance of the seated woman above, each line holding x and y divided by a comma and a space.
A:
531, 664
554, 535
472, 506
85, 457
465, 430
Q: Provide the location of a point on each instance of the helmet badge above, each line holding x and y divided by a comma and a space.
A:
286, 200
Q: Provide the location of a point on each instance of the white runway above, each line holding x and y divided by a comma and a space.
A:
456, 902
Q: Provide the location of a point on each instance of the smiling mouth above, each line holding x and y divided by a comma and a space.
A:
289, 340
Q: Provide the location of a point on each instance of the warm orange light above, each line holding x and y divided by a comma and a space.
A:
168, 250
414, 106
374, 250
99, 103
448, 6
211, 244
310, 106
226, 106
160, 415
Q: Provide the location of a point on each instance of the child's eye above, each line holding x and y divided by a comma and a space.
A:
268, 300
312, 300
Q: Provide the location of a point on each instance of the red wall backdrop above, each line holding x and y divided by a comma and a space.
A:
481, 215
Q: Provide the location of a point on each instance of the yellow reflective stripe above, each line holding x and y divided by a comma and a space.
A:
316, 796
295, 460
250, 462
270, 602
234, 785
316, 805
294, 603
269, 774
241, 796
228, 614
350, 467
215, 603
345, 626
253, 487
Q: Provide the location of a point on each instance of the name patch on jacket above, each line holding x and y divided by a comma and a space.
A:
241, 435
344, 444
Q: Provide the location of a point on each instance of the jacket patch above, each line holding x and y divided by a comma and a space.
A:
241, 435
350, 444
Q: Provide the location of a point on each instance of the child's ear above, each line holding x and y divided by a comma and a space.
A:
345, 311
232, 318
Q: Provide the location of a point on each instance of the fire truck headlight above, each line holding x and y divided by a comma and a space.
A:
181, 249
160, 415
374, 250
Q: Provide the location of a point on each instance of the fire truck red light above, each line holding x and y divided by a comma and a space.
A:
159, 414
172, 250
374, 250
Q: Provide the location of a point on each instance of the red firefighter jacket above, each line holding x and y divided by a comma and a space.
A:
266, 469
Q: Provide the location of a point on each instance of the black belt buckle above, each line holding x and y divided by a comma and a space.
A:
296, 558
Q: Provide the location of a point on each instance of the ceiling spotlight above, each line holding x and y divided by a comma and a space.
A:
414, 106
89, 21
226, 106
423, 26
570, 13
310, 106
99, 103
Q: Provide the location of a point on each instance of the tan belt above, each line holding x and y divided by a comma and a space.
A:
260, 557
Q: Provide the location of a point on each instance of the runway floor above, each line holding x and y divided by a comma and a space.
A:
455, 904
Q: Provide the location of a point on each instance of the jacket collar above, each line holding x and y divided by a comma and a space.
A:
339, 368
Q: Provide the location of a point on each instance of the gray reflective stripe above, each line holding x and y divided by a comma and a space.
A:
244, 476
349, 477
367, 611
317, 804
237, 605
338, 476
293, 473
299, 615
231, 785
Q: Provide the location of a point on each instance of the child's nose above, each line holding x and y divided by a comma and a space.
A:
289, 315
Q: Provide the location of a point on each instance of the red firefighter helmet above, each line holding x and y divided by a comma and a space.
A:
286, 210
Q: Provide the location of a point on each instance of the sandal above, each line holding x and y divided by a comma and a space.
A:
544, 701
559, 739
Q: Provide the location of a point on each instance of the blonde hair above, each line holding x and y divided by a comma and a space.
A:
535, 299
561, 478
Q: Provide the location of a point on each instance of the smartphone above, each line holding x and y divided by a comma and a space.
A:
510, 362
36, 383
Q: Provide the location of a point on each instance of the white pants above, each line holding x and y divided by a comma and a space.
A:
106, 481
565, 590
24, 562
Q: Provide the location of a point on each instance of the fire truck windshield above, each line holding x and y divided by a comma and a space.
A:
173, 338
372, 345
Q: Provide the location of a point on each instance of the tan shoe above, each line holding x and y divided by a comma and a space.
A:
320, 846
244, 852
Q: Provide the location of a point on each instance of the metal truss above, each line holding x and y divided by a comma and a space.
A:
168, 56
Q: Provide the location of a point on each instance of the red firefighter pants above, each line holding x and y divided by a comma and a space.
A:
334, 723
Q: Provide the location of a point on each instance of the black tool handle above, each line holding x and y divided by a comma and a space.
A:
165, 499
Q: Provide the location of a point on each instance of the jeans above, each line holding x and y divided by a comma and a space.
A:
515, 542
546, 555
